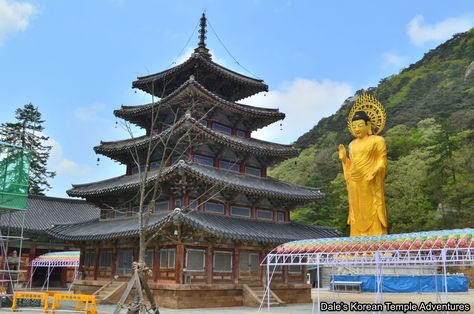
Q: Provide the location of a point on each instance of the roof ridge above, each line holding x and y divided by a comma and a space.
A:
202, 58
62, 199
192, 81
269, 186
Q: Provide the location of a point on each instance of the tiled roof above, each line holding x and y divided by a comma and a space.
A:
104, 229
248, 184
221, 226
139, 114
163, 83
121, 150
43, 212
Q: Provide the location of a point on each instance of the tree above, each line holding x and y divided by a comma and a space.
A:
26, 132
165, 142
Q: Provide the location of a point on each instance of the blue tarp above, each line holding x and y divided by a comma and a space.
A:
407, 283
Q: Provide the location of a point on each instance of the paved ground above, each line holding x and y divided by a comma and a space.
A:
325, 296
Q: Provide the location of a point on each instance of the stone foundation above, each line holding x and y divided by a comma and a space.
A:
188, 296
293, 293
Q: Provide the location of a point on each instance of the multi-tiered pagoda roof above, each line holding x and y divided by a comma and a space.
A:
213, 159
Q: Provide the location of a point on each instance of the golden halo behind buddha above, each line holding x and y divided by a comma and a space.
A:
373, 108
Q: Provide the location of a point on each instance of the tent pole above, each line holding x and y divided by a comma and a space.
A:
74, 279
445, 277
268, 286
47, 279
319, 283
30, 282
436, 284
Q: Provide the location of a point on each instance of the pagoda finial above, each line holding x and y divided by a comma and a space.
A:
201, 49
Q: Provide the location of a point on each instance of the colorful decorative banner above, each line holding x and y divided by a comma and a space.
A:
67, 258
457, 238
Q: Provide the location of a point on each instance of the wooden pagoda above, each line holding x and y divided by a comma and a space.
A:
218, 213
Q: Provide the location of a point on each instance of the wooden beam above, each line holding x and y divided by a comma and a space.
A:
236, 266
209, 265
96, 262
114, 259
82, 256
285, 274
156, 263
32, 255
179, 264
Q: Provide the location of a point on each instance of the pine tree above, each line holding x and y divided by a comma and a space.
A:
26, 132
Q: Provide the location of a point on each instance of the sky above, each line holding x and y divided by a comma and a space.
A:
76, 60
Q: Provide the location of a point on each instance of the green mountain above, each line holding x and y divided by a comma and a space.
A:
429, 135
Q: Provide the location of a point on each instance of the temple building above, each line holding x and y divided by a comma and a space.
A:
216, 213
32, 226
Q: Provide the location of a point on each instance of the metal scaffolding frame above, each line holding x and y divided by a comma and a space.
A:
14, 180
10, 272
432, 258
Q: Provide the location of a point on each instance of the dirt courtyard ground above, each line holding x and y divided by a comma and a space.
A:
326, 296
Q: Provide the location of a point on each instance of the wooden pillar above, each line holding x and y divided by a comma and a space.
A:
209, 264
96, 262
63, 274
31, 257
262, 269
284, 271
236, 266
253, 212
179, 263
82, 256
186, 200
227, 208
156, 264
135, 252
305, 272
114, 259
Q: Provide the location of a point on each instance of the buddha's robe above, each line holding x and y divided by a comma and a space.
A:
367, 212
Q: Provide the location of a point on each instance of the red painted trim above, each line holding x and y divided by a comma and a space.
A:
179, 265
171, 203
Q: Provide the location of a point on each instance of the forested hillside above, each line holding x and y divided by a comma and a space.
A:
429, 135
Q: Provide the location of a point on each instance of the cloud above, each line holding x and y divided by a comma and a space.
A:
421, 33
14, 17
63, 166
90, 113
393, 60
304, 102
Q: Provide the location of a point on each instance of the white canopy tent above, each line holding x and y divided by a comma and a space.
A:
431, 249
52, 260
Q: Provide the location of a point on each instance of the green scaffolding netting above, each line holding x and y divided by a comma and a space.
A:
14, 169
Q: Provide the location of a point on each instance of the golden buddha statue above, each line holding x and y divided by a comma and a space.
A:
364, 168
